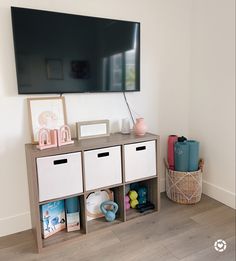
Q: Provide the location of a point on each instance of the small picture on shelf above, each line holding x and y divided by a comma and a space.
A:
72, 214
52, 218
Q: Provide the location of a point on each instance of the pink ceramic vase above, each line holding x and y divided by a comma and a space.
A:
140, 127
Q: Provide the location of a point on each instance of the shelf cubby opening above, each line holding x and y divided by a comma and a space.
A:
59, 224
116, 195
151, 196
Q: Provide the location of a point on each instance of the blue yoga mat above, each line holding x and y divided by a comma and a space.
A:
181, 156
72, 205
193, 155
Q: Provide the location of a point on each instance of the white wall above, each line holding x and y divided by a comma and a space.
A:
212, 94
165, 58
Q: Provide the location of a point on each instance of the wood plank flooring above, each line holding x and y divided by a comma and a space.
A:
178, 232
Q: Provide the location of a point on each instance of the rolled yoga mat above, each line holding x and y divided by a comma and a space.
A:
193, 155
72, 205
171, 159
181, 156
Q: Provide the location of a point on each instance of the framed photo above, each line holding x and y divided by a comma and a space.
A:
54, 69
48, 112
92, 129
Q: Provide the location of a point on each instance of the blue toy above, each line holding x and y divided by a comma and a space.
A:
110, 211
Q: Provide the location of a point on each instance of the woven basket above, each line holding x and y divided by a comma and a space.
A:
184, 187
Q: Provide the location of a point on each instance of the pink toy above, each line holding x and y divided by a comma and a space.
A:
171, 142
64, 136
127, 205
140, 127
47, 139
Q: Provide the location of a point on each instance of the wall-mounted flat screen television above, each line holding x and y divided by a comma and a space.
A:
65, 53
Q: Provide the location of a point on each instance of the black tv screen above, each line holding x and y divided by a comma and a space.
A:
65, 53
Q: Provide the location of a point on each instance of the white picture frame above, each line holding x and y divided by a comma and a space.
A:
92, 129
46, 112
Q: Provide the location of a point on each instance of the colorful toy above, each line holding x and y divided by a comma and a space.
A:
133, 195
142, 195
127, 204
110, 210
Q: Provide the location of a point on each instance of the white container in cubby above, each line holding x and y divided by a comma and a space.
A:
140, 160
59, 176
102, 167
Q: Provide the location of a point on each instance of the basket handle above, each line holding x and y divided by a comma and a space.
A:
201, 164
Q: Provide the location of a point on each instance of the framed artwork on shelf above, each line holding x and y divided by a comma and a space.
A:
92, 129
54, 69
46, 112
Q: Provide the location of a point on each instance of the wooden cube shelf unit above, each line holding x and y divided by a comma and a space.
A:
87, 166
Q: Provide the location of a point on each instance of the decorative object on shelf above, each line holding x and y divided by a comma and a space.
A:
94, 201
47, 139
64, 136
133, 195
53, 138
72, 214
92, 129
140, 127
171, 142
47, 112
127, 204
184, 187
109, 209
142, 195
52, 218
125, 128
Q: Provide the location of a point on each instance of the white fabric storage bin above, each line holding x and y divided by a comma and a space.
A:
140, 160
59, 176
102, 167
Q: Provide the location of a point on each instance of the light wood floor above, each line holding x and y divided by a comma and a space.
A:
178, 232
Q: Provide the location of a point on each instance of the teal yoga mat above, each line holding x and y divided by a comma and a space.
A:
72, 205
181, 156
193, 155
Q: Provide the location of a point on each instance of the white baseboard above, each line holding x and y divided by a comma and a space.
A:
14, 224
220, 194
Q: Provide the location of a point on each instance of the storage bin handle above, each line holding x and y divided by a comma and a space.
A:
103, 154
140, 148
61, 161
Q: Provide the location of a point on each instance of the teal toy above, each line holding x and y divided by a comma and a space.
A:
109, 209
